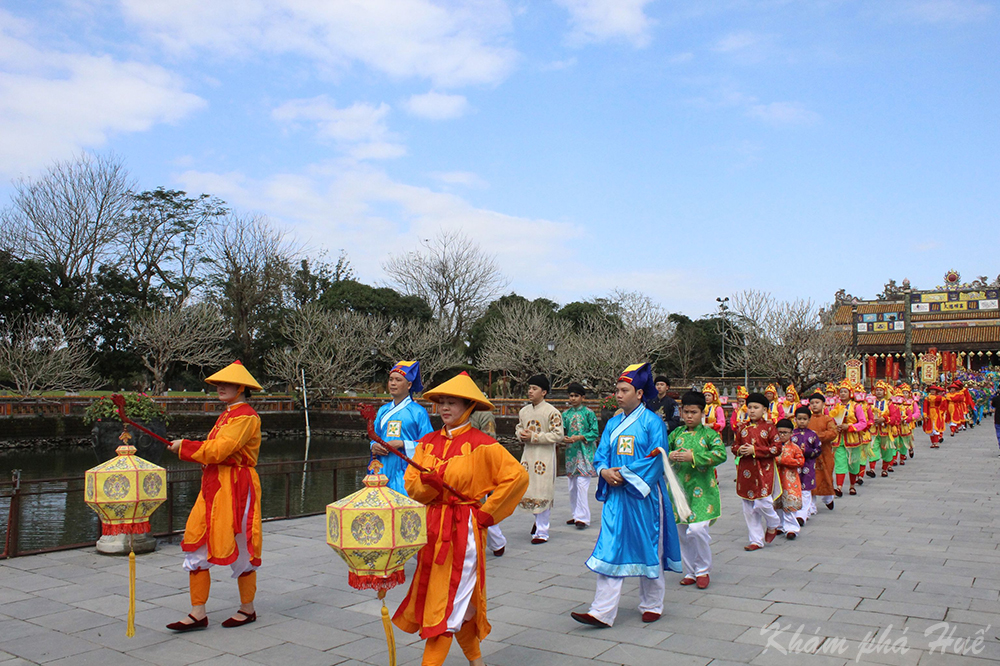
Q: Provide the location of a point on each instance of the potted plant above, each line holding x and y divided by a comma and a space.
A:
609, 405
108, 426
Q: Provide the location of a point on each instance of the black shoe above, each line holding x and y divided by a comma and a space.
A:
499, 551
533, 528
580, 525
189, 626
838, 492
800, 521
891, 470
911, 453
860, 481
871, 473
570, 522
790, 536
830, 506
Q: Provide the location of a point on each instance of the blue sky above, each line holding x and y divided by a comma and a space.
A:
685, 149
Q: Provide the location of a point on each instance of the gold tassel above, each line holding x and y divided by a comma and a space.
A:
130, 625
390, 638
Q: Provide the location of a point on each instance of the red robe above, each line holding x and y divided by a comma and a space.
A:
935, 413
755, 472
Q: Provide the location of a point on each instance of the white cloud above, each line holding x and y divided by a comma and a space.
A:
946, 11
437, 106
371, 215
56, 103
557, 65
451, 44
603, 20
681, 58
783, 113
359, 128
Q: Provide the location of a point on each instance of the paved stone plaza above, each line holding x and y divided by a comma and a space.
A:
907, 554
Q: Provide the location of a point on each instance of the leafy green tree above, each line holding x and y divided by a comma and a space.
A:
353, 296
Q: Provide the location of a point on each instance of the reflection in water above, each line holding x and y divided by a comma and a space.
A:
61, 517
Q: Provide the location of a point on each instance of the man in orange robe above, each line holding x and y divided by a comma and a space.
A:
935, 414
826, 429
447, 595
224, 524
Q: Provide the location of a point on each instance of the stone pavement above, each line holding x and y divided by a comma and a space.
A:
905, 556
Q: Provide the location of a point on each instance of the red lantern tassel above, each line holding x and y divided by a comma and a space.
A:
125, 528
376, 582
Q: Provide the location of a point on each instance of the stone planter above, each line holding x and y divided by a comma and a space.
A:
105, 438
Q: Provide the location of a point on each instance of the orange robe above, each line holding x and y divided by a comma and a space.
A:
956, 407
935, 413
228, 482
826, 429
475, 465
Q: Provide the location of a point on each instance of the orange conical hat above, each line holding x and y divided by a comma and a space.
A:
234, 373
461, 386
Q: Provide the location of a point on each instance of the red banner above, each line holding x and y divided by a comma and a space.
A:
872, 367
895, 370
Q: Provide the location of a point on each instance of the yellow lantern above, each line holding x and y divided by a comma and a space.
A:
375, 531
124, 492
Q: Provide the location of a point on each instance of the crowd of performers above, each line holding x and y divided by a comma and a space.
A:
789, 452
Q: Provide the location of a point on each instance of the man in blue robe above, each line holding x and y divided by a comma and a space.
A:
400, 423
638, 534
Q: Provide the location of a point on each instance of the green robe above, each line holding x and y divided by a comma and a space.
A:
580, 455
701, 486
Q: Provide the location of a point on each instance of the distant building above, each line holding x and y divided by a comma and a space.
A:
960, 318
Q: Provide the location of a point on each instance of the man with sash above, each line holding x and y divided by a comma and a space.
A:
638, 534
400, 423
886, 418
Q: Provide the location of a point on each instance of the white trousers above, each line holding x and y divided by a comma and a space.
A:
808, 506
542, 524
756, 513
696, 550
495, 540
198, 559
609, 592
579, 498
462, 610
788, 522
825, 499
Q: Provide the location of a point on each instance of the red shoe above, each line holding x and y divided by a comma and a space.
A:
568, 522
687, 581
587, 618
229, 623
852, 491
580, 525
790, 536
769, 535
189, 626
703, 582
537, 541
650, 617
499, 551
884, 473
752, 547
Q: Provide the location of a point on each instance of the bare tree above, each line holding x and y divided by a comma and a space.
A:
787, 341
600, 348
687, 351
414, 340
639, 312
456, 278
337, 350
46, 353
72, 216
193, 335
518, 342
252, 267
165, 241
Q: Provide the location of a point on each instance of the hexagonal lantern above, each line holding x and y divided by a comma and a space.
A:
125, 491
375, 531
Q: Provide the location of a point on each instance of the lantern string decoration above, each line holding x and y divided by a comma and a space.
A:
124, 492
119, 401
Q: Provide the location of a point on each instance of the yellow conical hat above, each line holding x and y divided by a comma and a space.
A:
234, 373
461, 386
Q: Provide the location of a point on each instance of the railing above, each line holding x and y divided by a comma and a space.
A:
290, 489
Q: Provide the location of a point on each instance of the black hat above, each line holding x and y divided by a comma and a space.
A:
758, 398
818, 396
693, 398
802, 409
662, 378
541, 381
576, 388
785, 423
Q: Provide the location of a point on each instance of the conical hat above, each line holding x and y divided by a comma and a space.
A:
461, 386
234, 373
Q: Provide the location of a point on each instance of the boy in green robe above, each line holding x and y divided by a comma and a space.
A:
580, 428
695, 450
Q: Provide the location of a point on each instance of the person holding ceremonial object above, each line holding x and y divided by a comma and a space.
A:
224, 524
447, 595
638, 534
400, 423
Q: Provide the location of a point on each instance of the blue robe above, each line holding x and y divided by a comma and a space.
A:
633, 514
408, 422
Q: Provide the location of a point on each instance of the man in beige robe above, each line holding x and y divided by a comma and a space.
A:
540, 429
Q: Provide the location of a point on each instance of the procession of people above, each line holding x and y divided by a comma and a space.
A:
654, 461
